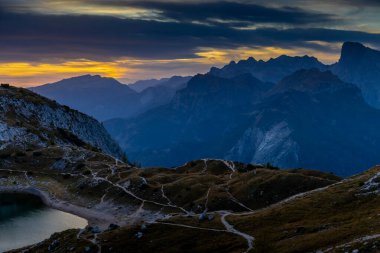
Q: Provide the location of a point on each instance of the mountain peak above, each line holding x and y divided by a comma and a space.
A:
86, 82
310, 80
248, 61
353, 45
85, 77
352, 51
359, 65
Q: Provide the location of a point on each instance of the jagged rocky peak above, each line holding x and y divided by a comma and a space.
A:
272, 70
352, 51
288, 59
356, 55
360, 65
249, 60
28, 120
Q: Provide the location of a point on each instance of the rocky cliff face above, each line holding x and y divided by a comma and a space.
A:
360, 65
275, 145
29, 120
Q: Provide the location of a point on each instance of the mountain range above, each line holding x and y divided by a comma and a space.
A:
288, 111
272, 70
174, 82
106, 98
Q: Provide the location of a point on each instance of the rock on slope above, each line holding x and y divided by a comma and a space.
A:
28, 120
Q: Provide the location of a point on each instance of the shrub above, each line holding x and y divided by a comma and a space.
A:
66, 176
87, 172
37, 153
5, 155
80, 166
20, 153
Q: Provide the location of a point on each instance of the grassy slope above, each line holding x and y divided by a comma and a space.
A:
95, 181
338, 215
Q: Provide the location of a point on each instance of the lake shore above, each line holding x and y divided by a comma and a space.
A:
93, 217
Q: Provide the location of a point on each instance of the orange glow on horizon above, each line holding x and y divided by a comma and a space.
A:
16, 69
27, 74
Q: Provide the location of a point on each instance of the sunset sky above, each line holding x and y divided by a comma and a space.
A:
47, 40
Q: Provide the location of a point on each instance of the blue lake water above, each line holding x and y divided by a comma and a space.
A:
24, 220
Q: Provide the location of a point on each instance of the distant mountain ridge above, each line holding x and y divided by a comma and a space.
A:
272, 70
251, 111
310, 118
106, 98
174, 82
94, 95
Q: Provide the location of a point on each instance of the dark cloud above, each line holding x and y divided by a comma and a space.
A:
318, 34
362, 3
60, 36
37, 37
235, 13
31, 36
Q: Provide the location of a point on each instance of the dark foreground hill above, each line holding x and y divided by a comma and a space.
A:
187, 205
203, 206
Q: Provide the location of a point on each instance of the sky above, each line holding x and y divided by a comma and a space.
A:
43, 41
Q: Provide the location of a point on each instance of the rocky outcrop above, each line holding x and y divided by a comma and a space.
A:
28, 120
359, 65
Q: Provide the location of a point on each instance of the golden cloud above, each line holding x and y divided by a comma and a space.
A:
130, 69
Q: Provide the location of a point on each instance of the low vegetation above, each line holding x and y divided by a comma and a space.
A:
155, 207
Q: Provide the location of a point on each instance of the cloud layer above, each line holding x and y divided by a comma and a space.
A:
175, 32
